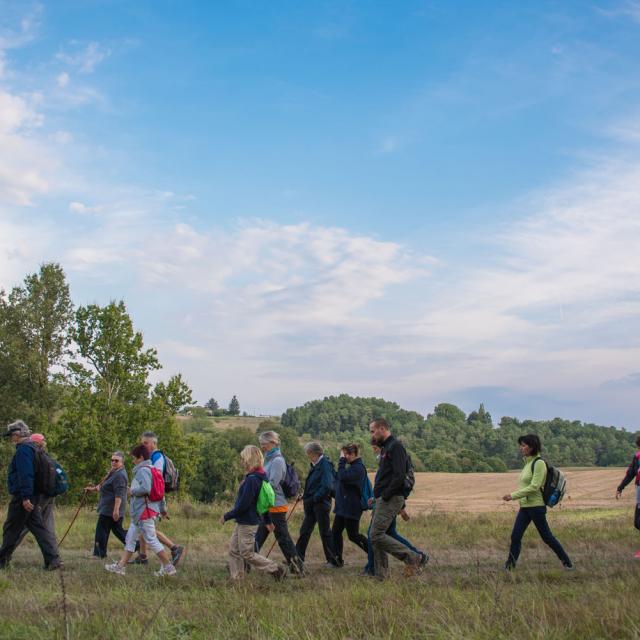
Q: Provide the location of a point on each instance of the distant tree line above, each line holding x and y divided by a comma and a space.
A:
450, 440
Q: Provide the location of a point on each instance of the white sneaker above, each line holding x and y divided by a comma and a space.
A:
166, 570
115, 568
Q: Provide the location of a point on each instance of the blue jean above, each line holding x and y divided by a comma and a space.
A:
393, 532
537, 515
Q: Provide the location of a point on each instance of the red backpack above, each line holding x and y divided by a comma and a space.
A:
157, 486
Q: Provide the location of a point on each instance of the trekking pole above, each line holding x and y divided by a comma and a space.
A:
82, 501
295, 504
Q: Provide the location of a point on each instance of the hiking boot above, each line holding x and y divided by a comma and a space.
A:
280, 574
296, 567
424, 558
115, 568
568, 567
413, 567
331, 565
637, 555
176, 554
139, 560
165, 570
53, 566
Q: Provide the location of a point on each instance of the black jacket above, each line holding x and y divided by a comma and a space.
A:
632, 472
392, 470
320, 483
349, 489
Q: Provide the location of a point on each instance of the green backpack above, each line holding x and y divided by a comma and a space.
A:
266, 498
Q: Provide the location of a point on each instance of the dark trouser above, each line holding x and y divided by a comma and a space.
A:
317, 512
636, 517
281, 532
46, 506
104, 526
17, 520
340, 523
383, 544
537, 515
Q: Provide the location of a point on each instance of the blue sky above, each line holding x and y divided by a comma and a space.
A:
425, 201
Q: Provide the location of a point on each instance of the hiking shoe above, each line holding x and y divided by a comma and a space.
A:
280, 574
413, 567
332, 565
165, 570
176, 554
424, 558
139, 560
568, 567
637, 555
53, 566
115, 568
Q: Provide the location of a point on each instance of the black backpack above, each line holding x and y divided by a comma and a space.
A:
555, 484
50, 478
409, 478
291, 483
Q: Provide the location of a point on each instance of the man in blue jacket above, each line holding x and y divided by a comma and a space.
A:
25, 508
316, 499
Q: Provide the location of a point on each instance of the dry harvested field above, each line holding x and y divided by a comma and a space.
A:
482, 492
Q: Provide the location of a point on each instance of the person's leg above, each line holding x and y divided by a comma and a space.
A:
45, 537
369, 568
262, 534
336, 537
519, 527
393, 532
151, 538
383, 543
118, 530
133, 537
236, 562
12, 530
281, 532
103, 528
323, 517
353, 531
246, 545
308, 525
166, 541
539, 517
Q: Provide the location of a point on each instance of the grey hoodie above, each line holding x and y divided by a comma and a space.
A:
276, 470
140, 489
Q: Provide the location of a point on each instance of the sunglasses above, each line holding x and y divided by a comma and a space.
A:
115, 460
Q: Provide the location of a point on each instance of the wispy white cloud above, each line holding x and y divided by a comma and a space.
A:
84, 58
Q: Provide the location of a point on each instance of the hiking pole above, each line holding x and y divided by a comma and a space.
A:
295, 504
82, 501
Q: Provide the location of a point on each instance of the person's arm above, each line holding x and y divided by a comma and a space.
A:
26, 472
243, 500
141, 485
116, 508
352, 475
632, 472
277, 472
326, 482
537, 480
398, 457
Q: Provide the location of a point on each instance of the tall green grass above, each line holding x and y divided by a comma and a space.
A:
464, 593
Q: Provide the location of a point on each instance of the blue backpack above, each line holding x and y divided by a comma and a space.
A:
366, 494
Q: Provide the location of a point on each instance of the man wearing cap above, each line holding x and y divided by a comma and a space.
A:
25, 508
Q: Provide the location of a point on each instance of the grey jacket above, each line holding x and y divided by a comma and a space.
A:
140, 489
276, 470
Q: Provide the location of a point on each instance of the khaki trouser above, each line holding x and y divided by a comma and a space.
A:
242, 549
384, 513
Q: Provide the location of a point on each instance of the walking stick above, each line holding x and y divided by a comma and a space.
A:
82, 501
85, 493
295, 504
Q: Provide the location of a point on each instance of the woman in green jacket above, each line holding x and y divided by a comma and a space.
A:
532, 507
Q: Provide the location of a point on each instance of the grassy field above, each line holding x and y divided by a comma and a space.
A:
462, 594
227, 422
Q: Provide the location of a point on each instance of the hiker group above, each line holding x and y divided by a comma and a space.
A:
262, 505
